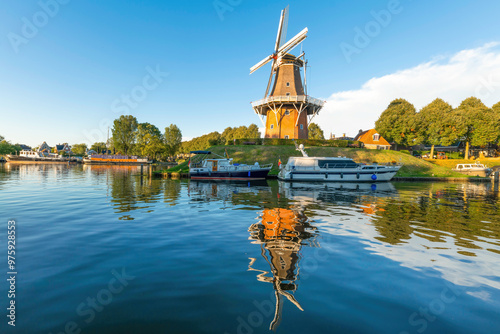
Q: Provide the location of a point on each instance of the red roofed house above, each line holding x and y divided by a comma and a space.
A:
372, 140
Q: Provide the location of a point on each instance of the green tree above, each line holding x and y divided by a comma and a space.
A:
398, 122
98, 147
315, 131
475, 123
496, 108
202, 143
432, 124
7, 148
253, 131
149, 140
79, 149
172, 139
242, 132
228, 134
124, 133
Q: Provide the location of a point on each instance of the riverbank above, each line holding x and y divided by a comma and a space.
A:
412, 167
451, 163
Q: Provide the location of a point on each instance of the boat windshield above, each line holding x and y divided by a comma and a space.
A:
337, 163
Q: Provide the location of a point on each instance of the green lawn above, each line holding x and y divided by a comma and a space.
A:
412, 167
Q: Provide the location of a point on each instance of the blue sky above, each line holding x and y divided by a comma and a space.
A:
65, 82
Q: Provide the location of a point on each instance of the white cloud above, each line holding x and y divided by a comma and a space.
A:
474, 72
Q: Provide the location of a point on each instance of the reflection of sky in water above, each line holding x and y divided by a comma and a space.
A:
471, 264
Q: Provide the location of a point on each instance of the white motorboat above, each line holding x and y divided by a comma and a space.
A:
28, 156
476, 169
339, 169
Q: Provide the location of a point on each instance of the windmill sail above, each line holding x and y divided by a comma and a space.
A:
284, 28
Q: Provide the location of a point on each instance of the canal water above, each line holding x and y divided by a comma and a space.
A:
100, 250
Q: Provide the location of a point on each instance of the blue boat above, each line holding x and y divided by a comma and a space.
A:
224, 169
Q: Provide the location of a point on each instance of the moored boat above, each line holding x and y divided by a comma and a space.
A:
339, 169
30, 157
475, 169
101, 159
224, 169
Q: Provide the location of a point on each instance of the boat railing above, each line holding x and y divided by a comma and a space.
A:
196, 165
243, 167
326, 166
344, 166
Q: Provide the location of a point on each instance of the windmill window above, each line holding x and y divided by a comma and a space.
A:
287, 94
302, 126
376, 137
286, 137
272, 126
287, 112
288, 84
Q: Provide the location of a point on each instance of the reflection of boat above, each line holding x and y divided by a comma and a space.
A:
340, 169
101, 159
476, 169
347, 193
340, 186
207, 191
29, 157
225, 169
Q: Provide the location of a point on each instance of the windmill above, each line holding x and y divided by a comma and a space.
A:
287, 100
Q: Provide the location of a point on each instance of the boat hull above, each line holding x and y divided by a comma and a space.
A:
255, 174
115, 163
474, 172
339, 176
15, 159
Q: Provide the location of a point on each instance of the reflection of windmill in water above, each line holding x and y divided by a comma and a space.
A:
282, 233
287, 106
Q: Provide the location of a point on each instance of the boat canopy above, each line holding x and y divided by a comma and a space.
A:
200, 152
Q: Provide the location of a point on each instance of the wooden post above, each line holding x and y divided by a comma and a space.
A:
495, 181
142, 169
150, 171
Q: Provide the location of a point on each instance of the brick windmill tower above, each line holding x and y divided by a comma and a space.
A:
286, 109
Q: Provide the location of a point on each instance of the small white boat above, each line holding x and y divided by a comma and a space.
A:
476, 169
340, 169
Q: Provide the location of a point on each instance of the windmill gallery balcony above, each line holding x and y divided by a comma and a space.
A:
301, 102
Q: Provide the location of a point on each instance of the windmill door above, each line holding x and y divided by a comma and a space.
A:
214, 166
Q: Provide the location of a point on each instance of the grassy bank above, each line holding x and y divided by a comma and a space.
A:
412, 167
451, 163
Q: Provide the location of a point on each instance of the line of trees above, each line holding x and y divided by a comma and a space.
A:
144, 139
216, 138
439, 123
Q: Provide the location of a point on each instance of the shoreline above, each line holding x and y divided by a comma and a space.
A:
441, 179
